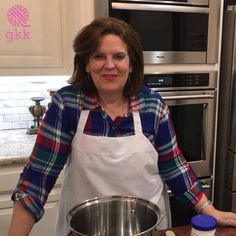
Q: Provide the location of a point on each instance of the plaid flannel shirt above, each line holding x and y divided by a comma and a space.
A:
53, 145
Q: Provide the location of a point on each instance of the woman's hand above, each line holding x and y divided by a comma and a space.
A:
224, 218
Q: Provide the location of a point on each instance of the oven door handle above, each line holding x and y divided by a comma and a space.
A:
187, 97
157, 7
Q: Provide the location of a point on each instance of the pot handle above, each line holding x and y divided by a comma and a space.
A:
162, 215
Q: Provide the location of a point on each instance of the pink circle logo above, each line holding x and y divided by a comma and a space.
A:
18, 15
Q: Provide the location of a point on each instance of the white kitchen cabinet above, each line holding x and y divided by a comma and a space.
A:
9, 175
37, 36
44, 227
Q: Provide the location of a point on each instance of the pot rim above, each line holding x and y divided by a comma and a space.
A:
109, 198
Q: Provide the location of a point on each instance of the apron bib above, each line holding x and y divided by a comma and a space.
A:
104, 166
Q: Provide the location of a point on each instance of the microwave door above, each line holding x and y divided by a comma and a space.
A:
101, 7
166, 31
157, 7
192, 31
169, 2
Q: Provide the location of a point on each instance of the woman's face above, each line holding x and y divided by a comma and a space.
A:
109, 65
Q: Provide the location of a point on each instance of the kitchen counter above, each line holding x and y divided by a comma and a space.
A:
15, 146
185, 231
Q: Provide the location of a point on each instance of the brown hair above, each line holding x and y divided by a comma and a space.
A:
87, 41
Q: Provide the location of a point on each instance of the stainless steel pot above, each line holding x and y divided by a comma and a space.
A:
115, 216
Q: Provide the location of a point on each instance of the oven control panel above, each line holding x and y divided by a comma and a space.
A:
180, 80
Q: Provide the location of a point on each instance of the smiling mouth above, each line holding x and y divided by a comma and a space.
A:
109, 77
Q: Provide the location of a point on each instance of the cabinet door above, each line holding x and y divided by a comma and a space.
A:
36, 37
9, 175
45, 226
31, 33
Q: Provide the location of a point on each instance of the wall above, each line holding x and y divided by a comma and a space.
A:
15, 97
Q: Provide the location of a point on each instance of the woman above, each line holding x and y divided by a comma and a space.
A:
115, 136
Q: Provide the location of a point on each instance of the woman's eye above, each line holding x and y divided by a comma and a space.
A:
101, 56
119, 56
98, 56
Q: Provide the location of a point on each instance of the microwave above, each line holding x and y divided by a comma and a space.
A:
171, 32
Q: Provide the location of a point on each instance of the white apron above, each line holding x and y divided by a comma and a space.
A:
104, 166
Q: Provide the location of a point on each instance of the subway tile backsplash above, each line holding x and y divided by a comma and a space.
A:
15, 98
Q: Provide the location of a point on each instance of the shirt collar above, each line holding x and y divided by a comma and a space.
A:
91, 102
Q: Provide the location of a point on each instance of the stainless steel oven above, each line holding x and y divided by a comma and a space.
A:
191, 98
181, 31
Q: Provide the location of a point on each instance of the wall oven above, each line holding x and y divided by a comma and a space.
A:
181, 31
191, 98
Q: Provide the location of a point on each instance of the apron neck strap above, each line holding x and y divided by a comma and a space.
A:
82, 120
137, 123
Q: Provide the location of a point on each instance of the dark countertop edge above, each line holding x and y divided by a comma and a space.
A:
185, 230
13, 160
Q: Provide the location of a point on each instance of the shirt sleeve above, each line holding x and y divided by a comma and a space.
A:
47, 159
173, 167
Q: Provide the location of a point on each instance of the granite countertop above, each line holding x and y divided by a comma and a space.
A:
15, 146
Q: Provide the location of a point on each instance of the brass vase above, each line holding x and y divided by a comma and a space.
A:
37, 111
